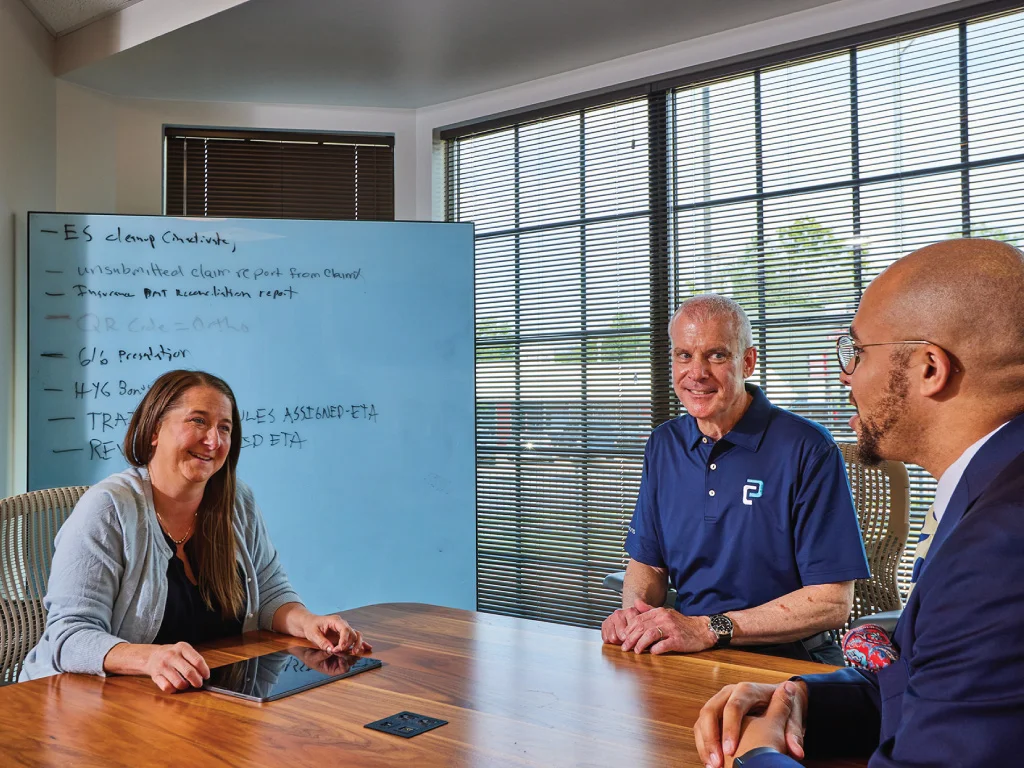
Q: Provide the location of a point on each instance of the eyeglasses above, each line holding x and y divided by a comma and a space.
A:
849, 353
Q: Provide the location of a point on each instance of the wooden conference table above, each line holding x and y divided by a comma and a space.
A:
515, 693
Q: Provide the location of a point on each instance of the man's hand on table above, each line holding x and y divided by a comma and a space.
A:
660, 630
613, 629
780, 724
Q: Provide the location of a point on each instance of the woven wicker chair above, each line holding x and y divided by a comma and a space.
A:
881, 496
28, 525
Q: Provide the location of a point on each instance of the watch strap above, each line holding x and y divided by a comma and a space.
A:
742, 759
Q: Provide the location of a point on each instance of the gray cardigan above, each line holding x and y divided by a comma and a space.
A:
108, 583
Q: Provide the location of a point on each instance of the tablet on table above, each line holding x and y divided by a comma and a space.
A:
276, 675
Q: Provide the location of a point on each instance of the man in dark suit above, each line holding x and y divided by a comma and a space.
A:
935, 366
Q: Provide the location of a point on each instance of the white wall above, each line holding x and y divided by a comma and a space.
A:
86, 150
27, 182
110, 150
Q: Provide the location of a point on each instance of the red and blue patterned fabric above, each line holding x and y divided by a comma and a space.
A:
869, 647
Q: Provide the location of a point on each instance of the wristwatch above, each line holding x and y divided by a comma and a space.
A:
721, 625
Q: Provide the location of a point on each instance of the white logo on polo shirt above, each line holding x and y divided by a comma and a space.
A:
752, 491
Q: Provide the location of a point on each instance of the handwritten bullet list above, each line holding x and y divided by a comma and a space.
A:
123, 305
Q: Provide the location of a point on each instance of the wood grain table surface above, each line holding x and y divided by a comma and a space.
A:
515, 693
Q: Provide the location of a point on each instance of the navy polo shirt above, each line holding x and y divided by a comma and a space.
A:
760, 513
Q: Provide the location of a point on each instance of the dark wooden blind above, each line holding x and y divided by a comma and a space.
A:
273, 174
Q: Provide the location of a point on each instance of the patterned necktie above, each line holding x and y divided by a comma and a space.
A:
924, 541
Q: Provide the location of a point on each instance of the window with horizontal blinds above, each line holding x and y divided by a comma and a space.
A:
788, 187
272, 174
563, 299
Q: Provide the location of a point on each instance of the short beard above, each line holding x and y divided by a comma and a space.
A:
890, 410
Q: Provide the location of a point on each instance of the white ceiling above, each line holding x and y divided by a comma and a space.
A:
63, 16
375, 53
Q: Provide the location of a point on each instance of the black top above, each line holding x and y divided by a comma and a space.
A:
186, 617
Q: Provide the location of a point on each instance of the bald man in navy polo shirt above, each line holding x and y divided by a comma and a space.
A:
744, 506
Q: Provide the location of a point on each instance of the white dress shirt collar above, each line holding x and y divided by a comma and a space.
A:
951, 477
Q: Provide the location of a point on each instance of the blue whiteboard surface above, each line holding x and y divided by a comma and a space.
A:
349, 346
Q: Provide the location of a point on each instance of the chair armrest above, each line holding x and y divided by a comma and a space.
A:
886, 620
613, 581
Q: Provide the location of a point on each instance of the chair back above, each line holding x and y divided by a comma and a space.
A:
881, 495
28, 524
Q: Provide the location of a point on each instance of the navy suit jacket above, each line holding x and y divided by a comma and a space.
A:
955, 697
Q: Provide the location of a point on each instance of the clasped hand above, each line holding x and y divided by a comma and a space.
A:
659, 630
780, 723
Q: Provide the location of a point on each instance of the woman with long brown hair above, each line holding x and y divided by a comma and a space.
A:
171, 552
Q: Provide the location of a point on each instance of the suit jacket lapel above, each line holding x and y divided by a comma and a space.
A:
1002, 448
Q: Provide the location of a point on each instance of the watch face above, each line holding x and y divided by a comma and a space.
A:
721, 625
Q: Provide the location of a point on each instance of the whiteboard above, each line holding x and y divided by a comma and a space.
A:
349, 346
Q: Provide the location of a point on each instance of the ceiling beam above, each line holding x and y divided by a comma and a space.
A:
132, 26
